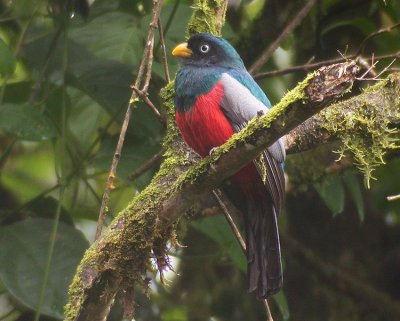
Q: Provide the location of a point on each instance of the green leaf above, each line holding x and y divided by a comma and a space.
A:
280, 300
332, 193
83, 111
106, 82
363, 24
178, 313
43, 52
176, 32
25, 122
137, 7
254, 8
106, 40
23, 254
101, 6
45, 207
23, 8
135, 153
353, 184
7, 59
218, 229
17, 92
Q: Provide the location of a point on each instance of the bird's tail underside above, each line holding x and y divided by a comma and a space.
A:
264, 268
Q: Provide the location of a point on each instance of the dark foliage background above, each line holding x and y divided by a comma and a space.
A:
65, 72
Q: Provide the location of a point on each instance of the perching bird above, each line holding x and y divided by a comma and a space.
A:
215, 97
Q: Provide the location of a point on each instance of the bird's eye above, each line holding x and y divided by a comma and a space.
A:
204, 48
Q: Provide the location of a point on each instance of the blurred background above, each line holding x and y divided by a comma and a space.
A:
65, 71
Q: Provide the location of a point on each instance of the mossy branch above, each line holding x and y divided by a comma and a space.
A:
121, 257
309, 97
366, 126
208, 16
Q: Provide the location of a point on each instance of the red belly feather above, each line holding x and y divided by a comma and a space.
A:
205, 126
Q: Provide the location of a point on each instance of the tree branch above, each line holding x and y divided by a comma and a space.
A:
121, 256
314, 65
309, 97
143, 77
366, 133
98, 279
285, 32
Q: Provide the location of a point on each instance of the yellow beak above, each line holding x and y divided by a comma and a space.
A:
182, 51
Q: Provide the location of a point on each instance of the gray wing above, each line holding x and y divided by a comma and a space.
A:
240, 106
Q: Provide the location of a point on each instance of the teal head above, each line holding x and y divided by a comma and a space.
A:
205, 50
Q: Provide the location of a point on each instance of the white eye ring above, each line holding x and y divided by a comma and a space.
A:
204, 48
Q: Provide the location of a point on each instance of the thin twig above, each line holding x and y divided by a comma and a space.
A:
267, 310
164, 52
376, 77
391, 55
393, 198
306, 66
222, 203
315, 65
374, 34
230, 220
112, 173
172, 16
285, 32
309, 65
150, 56
368, 70
365, 64
144, 70
146, 166
145, 97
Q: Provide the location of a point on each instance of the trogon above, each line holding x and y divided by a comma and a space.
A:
215, 97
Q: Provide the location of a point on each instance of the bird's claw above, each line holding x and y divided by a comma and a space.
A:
212, 151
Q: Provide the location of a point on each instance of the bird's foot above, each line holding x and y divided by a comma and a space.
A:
212, 151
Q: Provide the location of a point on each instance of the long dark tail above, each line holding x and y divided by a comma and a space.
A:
264, 267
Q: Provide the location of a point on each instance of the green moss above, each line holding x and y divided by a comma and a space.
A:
77, 287
176, 154
136, 242
296, 94
364, 132
262, 167
167, 96
203, 17
130, 247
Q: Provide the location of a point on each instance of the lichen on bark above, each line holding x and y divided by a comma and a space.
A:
208, 16
366, 133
